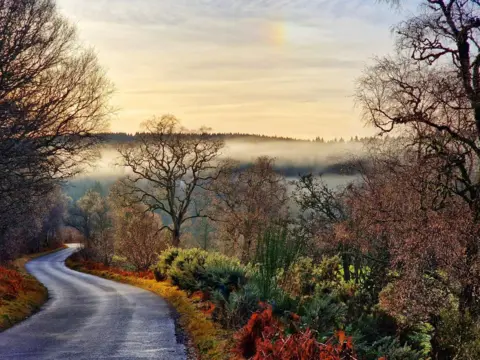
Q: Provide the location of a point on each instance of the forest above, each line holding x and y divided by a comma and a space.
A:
284, 265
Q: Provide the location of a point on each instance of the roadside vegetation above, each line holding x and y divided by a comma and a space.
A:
257, 265
21, 295
53, 98
386, 267
209, 340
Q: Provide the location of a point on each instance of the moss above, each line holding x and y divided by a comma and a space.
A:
209, 340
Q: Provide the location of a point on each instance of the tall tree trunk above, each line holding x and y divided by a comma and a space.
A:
346, 267
176, 235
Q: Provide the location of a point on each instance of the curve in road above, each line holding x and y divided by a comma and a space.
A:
90, 318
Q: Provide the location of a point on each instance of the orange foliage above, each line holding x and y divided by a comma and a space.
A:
11, 284
208, 308
265, 338
200, 295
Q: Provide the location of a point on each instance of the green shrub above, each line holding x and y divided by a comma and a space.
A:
196, 269
421, 338
276, 252
390, 348
376, 335
457, 335
164, 263
329, 272
234, 311
223, 274
187, 270
324, 314
299, 279
304, 278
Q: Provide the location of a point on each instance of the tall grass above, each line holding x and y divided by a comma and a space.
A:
276, 250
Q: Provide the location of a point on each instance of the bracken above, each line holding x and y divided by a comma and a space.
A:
265, 338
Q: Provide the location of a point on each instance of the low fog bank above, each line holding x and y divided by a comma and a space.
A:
299, 157
303, 152
335, 161
291, 157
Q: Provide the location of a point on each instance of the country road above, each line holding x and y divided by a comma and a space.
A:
89, 318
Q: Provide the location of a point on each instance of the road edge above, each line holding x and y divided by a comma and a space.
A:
200, 336
31, 299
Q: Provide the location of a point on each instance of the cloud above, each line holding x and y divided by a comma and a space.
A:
236, 65
175, 12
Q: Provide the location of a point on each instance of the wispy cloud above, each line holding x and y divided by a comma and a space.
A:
236, 65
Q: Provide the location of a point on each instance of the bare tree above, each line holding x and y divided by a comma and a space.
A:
247, 202
92, 218
395, 219
103, 239
321, 208
53, 99
430, 92
82, 215
136, 234
169, 166
33, 226
56, 204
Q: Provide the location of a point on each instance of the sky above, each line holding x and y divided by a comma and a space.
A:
274, 67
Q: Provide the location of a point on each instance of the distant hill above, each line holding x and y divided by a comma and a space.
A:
120, 137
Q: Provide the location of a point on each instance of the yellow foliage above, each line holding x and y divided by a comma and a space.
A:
210, 341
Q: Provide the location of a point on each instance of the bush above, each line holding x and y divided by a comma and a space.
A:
390, 348
277, 250
196, 269
324, 314
299, 279
377, 336
233, 312
164, 263
11, 284
458, 336
264, 337
304, 278
223, 274
187, 269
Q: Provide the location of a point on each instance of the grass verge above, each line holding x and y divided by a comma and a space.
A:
209, 340
21, 295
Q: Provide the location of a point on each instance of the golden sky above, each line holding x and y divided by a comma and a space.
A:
277, 67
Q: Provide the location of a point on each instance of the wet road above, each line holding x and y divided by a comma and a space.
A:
90, 318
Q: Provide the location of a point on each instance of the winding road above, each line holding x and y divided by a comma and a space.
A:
89, 318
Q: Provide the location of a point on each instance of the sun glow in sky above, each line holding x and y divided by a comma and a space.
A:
277, 67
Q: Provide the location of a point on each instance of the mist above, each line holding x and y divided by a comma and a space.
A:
292, 158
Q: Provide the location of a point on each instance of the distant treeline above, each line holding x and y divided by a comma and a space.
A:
340, 168
121, 137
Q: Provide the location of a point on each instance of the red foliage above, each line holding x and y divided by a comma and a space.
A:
201, 295
90, 265
11, 284
208, 308
265, 338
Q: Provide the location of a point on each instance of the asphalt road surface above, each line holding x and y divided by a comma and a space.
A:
90, 318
